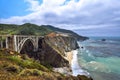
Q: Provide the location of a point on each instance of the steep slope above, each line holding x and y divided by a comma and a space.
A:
14, 66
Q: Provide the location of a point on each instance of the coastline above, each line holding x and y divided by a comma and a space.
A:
76, 69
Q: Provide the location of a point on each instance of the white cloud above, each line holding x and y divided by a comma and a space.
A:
83, 14
34, 5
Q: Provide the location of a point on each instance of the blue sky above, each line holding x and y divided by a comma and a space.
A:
86, 17
9, 8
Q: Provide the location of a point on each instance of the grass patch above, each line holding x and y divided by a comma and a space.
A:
28, 63
21, 60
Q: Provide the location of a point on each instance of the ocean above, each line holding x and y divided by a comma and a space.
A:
100, 58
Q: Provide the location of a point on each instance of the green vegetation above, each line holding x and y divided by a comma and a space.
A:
30, 63
30, 72
25, 29
22, 62
19, 65
32, 29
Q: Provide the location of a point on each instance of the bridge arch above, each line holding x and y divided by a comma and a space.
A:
27, 44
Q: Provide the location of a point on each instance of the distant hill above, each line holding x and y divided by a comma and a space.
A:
32, 29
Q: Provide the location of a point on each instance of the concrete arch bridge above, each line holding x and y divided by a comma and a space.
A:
17, 42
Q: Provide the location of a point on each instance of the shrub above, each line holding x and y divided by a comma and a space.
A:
30, 72
15, 59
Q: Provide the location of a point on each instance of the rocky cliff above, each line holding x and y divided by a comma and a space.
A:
62, 44
49, 55
52, 50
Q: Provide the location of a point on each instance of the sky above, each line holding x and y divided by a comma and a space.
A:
86, 17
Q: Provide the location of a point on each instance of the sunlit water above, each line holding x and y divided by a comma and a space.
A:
101, 58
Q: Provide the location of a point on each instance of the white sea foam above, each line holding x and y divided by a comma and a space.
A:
76, 69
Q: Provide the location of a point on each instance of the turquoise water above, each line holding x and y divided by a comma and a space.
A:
101, 58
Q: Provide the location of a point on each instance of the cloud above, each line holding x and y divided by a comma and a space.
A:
34, 5
71, 14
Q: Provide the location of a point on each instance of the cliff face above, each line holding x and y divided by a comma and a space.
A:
52, 50
49, 56
62, 44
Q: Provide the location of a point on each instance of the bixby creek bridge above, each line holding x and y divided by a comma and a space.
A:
17, 42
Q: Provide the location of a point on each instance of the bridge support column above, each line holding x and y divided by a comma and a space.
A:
15, 43
1, 42
6, 42
36, 44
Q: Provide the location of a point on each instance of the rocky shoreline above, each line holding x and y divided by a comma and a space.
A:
74, 68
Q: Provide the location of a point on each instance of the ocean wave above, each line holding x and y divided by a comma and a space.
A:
76, 69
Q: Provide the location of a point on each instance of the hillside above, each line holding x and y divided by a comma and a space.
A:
25, 29
32, 29
14, 66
